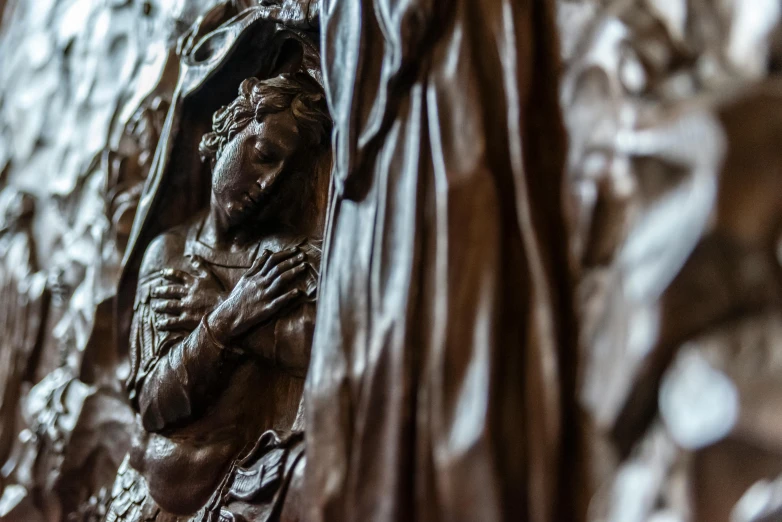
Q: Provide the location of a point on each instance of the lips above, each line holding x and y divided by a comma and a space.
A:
252, 198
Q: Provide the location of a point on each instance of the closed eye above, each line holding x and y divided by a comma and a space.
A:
265, 157
264, 154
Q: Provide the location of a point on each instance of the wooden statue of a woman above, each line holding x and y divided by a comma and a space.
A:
224, 309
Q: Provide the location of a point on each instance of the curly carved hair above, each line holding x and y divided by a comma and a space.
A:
297, 92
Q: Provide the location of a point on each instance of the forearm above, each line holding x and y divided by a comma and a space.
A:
182, 380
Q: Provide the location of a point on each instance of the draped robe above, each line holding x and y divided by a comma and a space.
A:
435, 387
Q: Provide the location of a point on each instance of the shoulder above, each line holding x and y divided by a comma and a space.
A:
166, 250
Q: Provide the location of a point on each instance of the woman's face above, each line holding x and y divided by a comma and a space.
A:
250, 170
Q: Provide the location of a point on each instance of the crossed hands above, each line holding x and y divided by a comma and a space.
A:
268, 287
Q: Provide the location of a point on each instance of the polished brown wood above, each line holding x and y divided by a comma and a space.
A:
352, 260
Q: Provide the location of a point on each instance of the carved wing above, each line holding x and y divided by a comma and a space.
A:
127, 495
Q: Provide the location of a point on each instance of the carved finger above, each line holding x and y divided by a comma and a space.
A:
169, 292
259, 262
278, 258
286, 265
197, 262
284, 300
167, 306
177, 276
183, 322
188, 320
167, 324
204, 270
286, 277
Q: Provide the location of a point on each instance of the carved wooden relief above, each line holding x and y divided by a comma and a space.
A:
352, 260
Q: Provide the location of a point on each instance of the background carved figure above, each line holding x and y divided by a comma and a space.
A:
674, 204
24, 300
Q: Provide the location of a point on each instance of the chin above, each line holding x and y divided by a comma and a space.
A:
258, 221
237, 219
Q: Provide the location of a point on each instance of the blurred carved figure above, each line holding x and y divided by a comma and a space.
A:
673, 192
22, 311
